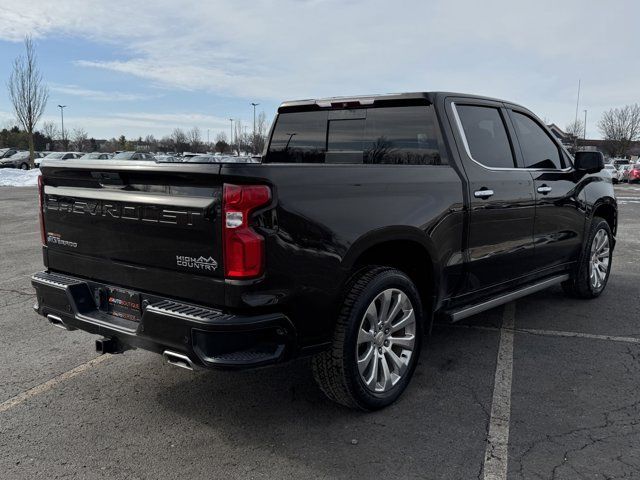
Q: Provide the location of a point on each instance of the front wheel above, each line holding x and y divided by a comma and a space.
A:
24, 166
592, 273
376, 342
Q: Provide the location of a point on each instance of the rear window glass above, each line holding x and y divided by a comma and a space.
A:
299, 137
402, 136
388, 135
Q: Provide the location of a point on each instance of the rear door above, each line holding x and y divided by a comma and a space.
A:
560, 215
502, 203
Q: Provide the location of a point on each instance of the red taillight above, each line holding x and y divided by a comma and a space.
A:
43, 238
243, 247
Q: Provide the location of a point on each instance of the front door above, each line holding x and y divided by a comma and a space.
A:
502, 202
560, 216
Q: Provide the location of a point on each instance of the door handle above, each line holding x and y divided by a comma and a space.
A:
544, 189
483, 193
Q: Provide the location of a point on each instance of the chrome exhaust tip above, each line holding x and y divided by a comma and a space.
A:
178, 360
58, 322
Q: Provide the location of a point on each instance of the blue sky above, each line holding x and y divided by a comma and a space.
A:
125, 68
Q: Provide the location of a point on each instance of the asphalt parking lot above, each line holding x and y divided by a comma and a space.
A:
551, 381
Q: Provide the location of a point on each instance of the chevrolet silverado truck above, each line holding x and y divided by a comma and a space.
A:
366, 219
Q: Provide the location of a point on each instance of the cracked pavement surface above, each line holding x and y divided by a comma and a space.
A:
575, 407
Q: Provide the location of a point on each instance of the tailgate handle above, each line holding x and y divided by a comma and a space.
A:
107, 178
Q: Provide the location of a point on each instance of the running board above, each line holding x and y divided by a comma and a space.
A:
456, 315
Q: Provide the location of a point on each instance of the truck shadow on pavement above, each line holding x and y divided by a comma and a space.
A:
280, 412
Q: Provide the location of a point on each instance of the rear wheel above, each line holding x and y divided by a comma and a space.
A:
24, 166
376, 342
592, 274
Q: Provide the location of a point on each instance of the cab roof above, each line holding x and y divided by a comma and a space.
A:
390, 99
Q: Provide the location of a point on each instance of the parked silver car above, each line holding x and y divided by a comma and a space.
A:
19, 159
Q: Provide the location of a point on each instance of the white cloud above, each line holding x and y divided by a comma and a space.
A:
99, 95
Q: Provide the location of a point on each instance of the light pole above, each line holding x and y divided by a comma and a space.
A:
254, 124
61, 107
207, 138
578, 100
585, 125
231, 137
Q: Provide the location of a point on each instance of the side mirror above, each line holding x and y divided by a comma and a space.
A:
589, 162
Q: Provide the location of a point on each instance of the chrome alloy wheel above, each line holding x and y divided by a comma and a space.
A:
599, 264
386, 340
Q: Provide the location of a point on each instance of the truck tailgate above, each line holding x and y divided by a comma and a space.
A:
155, 227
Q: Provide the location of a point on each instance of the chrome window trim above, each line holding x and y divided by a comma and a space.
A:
460, 128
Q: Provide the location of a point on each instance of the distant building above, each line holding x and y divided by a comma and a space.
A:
603, 146
565, 138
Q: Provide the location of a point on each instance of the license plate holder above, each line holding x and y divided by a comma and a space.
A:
124, 304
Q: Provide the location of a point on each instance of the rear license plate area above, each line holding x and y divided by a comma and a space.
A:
124, 304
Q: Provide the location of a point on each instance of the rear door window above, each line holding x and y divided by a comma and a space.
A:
538, 149
486, 135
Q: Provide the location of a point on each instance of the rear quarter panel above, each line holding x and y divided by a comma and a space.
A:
325, 216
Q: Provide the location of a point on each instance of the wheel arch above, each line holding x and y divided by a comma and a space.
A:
607, 208
406, 248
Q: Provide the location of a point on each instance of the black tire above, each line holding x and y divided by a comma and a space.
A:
24, 166
336, 370
580, 285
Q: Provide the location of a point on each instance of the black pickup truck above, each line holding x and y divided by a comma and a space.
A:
367, 218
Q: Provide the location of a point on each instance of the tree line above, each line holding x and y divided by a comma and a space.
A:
48, 138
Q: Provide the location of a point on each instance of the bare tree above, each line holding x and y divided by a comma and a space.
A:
27, 91
242, 140
165, 144
575, 129
179, 139
50, 130
150, 143
194, 139
261, 133
79, 139
620, 127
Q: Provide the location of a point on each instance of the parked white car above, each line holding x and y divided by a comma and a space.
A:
58, 156
613, 171
167, 159
96, 156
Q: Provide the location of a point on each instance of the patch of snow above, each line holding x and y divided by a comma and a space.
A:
13, 177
